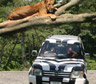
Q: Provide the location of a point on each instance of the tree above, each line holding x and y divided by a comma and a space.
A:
61, 19
23, 50
77, 19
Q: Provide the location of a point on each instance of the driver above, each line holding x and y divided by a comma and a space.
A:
71, 53
51, 51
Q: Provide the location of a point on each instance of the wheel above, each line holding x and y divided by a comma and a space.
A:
87, 82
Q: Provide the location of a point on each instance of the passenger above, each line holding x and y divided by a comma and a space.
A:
71, 53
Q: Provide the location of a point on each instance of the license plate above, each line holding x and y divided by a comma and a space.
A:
55, 83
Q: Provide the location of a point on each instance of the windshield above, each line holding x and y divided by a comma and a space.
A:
62, 50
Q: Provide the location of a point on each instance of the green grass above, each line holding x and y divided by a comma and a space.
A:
91, 63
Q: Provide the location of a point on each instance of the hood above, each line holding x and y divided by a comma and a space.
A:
58, 64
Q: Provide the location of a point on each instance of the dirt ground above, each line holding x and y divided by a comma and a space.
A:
21, 77
91, 75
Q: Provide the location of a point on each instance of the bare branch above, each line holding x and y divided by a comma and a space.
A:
65, 7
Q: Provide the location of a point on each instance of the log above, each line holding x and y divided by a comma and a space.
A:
27, 23
11, 26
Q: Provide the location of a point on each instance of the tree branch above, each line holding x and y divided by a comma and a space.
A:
17, 25
65, 7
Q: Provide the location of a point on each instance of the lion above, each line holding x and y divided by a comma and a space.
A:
43, 8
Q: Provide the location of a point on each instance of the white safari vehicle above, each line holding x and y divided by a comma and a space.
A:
60, 61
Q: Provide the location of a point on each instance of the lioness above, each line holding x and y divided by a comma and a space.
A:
40, 9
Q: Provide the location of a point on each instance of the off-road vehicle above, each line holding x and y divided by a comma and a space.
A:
60, 61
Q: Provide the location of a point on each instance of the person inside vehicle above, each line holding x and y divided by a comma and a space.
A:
51, 51
71, 53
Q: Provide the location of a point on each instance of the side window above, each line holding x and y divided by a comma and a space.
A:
43, 47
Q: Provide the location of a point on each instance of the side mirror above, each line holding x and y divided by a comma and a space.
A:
34, 52
87, 54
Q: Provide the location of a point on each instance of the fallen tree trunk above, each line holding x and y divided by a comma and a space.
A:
11, 26
30, 22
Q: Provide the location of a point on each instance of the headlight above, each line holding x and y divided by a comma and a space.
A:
35, 72
77, 74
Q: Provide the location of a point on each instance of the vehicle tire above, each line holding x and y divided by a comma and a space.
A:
87, 82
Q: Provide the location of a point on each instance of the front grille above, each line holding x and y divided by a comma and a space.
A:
57, 73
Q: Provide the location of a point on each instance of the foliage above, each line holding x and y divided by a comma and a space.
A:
6, 6
35, 36
91, 63
85, 7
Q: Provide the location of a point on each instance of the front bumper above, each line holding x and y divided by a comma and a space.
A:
54, 80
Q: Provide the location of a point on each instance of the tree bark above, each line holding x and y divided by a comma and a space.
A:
23, 50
